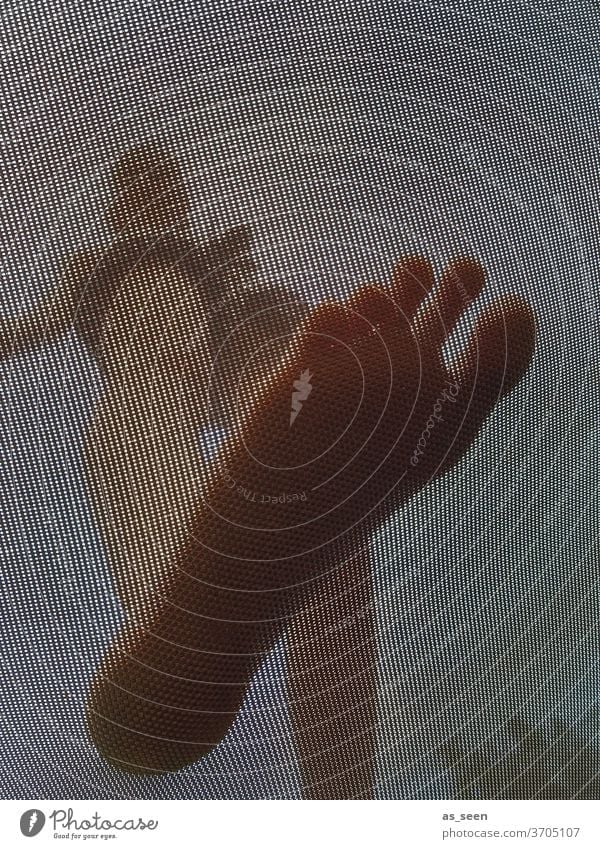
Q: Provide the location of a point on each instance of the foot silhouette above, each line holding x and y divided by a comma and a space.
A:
378, 415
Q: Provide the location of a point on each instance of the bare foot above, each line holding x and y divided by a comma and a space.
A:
377, 415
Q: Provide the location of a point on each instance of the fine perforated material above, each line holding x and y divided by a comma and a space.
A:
326, 531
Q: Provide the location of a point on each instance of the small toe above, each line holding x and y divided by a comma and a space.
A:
411, 283
372, 304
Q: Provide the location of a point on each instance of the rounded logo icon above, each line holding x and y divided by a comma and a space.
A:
32, 822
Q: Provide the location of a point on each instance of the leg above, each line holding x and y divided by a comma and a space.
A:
164, 697
331, 649
143, 472
143, 481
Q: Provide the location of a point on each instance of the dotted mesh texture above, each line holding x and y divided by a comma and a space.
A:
200, 624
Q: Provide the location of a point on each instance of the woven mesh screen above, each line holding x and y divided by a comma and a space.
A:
299, 359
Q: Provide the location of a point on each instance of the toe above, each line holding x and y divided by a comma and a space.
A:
509, 329
412, 282
372, 304
461, 283
498, 355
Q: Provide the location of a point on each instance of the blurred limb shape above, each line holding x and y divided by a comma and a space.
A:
165, 696
331, 684
331, 652
138, 306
